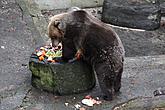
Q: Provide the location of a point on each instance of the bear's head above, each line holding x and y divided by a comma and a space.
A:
60, 24
56, 28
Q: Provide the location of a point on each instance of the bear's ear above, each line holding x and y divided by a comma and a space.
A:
59, 24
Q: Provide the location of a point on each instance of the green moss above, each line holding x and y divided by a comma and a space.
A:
161, 104
34, 69
45, 77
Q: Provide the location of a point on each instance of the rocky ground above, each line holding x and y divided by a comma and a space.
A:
23, 28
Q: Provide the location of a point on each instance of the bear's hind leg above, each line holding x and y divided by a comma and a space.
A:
117, 84
106, 80
109, 90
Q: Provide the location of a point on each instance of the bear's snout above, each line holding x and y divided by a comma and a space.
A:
55, 42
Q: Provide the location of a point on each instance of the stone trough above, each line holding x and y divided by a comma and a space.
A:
62, 78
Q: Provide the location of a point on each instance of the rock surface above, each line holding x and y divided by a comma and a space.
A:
142, 43
142, 14
62, 78
143, 103
142, 75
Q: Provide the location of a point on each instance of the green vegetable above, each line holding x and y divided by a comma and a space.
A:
58, 53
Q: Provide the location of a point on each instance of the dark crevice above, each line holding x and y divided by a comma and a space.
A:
22, 13
24, 100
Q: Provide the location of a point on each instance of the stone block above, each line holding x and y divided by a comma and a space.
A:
142, 14
64, 4
62, 78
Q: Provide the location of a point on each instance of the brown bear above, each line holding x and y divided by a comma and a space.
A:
83, 34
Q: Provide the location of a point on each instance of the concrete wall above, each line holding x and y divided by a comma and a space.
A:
63, 4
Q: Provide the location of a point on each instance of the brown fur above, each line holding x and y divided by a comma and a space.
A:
99, 45
162, 23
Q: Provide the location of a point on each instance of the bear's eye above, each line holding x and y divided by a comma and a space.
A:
54, 37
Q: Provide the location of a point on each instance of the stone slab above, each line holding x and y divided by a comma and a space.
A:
141, 14
63, 4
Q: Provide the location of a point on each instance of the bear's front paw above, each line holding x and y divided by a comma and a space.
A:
106, 97
79, 54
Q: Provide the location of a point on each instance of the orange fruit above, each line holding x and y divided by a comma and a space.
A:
41, 58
